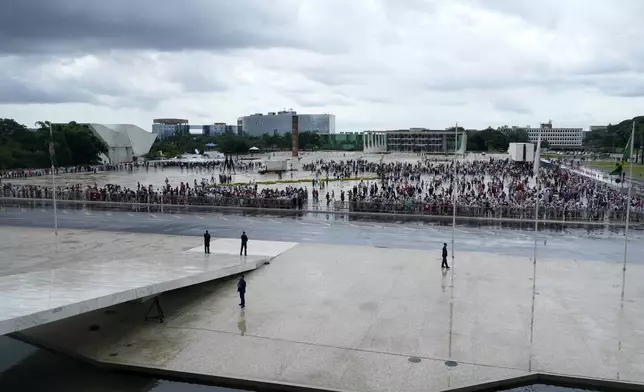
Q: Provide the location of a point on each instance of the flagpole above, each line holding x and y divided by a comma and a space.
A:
628, 207
454, 185
53, 181
537, 163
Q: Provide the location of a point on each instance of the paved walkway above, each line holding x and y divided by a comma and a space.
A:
350, 317
95, 270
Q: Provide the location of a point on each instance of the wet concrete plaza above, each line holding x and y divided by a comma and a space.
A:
351, 317
94, 270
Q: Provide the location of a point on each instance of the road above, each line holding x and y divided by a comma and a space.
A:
582, 245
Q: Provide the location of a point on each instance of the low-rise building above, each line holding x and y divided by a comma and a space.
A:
558, 138
420, 140
166, 127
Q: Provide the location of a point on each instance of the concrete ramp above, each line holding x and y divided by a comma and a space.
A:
94, 270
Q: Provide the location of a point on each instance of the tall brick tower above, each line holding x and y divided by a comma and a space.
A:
295, 133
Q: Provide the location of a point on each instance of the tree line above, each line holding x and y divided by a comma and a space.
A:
614, 137
73, 144
497, 140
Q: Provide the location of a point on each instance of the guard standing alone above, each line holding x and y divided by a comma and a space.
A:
206, 242
444, 265
241, 288
244, 244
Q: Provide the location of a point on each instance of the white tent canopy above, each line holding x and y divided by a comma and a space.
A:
253, 149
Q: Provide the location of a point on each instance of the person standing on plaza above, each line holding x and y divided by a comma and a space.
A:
206, 242
244, 244
241, 289
444, 264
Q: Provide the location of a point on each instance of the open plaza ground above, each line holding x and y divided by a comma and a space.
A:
351, 317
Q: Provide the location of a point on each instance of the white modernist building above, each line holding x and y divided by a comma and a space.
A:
124, 141
282, 122
558, 138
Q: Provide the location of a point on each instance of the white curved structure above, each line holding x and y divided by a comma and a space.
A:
374, 142
124, 141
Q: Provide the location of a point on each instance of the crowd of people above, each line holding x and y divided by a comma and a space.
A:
17, 174
490, 187
493, 187
200, 193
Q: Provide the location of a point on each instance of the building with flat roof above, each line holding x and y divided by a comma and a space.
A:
282, 122
414, 140
558, 138
166, 127
124, 142
347, 141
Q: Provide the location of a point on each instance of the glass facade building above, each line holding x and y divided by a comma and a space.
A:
342, 141
281, 123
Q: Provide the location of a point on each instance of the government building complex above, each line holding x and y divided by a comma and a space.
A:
558, 138
282, 122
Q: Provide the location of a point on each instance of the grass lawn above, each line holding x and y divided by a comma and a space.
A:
609, 166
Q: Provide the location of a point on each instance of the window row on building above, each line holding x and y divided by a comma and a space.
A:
557, 137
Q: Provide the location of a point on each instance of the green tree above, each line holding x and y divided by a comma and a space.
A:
487, 140
24, 148
517, 135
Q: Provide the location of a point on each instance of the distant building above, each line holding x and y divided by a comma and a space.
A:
414, 140
281, 123
215, 129
233, 130
166, 127
558, 138
347, 141
124, 142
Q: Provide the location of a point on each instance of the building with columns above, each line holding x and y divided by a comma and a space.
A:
414, 140
374, 141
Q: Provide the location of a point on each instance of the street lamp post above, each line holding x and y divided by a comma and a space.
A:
52, 154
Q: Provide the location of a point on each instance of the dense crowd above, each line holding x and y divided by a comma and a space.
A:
200, 193
484, 186
183, 165
15, 174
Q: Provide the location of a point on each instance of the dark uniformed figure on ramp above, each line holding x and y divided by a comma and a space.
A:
444, 265
241, 289
244, 244
206, 242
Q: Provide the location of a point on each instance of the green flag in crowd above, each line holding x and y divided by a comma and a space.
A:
619, 167
627, 150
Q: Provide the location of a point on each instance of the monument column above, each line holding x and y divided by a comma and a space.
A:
295, 133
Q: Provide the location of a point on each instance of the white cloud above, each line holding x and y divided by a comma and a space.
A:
374, 63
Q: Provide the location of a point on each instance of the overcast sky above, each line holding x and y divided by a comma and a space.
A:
376, 64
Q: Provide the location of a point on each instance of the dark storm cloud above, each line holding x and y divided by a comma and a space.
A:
53, 26
14, 91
